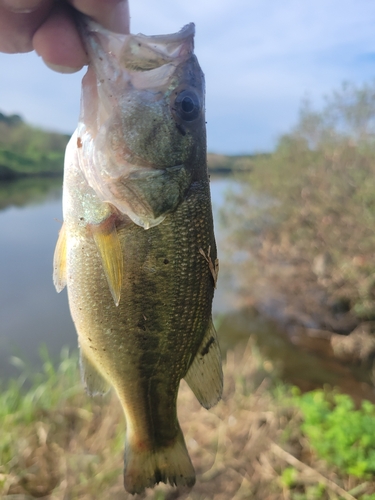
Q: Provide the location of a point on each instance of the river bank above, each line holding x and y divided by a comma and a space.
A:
29, 153
304, 259
58, 443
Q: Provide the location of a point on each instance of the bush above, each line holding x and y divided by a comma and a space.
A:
339, 433
321, 179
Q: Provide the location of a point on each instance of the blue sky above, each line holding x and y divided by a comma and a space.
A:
260, 58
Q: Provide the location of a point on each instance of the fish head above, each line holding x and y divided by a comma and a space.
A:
142, 123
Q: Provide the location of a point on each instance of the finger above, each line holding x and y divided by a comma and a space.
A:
112, 14
17, 29
58, 42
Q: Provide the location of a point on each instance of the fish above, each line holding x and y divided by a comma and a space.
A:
137, 249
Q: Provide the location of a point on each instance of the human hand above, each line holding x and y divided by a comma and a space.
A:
48, 27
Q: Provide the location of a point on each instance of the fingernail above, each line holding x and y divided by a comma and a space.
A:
62, 69
21, 6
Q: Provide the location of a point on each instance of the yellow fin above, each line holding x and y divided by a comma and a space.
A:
59, 261
93, 381
109, 246
205, 375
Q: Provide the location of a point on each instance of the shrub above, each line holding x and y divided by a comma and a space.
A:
339, 433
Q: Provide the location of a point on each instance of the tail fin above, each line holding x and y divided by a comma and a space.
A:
145, 468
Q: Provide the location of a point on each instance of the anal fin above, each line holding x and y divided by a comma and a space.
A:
93, 381
59, 261
109, 246
205, 375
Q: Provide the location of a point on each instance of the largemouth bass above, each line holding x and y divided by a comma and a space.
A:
137, 249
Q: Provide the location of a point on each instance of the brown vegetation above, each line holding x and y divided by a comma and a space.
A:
249, 446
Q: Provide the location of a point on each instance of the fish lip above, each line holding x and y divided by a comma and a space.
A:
88, 25
162, 49
186, 33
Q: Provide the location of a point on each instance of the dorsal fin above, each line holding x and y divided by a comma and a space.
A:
59, 261
205, 375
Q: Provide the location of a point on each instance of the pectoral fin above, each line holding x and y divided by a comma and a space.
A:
205, 375
59, 261
109, 246
94, 383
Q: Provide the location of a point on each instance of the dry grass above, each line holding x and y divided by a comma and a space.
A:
248, 446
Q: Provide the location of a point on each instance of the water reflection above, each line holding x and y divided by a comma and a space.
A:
26, 191
31, 312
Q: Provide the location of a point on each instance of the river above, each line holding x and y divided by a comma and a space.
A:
32, 314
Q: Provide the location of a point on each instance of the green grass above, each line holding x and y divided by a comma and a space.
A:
21, 407
57, 442
51, 431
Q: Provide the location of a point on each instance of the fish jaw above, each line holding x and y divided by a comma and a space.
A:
142, 124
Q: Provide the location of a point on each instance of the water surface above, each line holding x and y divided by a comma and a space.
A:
31, 312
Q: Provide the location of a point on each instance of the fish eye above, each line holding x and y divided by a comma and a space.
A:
187, 105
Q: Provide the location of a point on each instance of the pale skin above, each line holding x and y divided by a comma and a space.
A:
48, 27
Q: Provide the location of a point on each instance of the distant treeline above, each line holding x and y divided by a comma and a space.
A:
225, 165
27, 151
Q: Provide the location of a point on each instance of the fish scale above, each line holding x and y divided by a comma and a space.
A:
137, 249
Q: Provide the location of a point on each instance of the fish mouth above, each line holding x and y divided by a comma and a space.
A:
144, 53
123, 56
